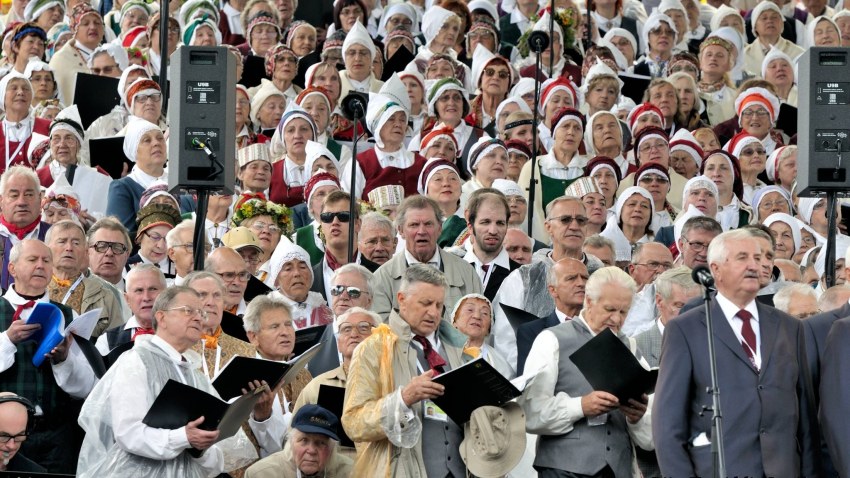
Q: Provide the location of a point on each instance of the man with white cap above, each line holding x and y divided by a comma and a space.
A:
388, 162
255, 168
358, 51
767, 26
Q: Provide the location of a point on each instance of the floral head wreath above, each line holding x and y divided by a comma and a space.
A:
252, 207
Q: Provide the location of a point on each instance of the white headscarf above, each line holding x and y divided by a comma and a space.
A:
622, 246
136, 128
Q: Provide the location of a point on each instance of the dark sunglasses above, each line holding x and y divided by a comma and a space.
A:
353, 292
567, 220
328, 217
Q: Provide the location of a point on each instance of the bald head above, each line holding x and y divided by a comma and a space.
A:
230, 266
519, 246
13, 422
566, 280
31, 265
648, 261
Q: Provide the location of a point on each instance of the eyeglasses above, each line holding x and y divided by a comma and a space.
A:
155, 237
773, 204
189, 312
102, 246
657, 265
757, 112
147, 98
261, 226
286, 59
243, 276
191, 247
567, 220
4, 438
353, 292
654, 179
516, 200
350, 53
647, 147
503, 75
328, 217
752, 151
480, 35
662, 31
696, 246
363, 328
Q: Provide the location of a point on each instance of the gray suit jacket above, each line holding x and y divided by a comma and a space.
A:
835, 395
768, 419
649, 344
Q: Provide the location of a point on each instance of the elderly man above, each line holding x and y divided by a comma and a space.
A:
697, 234
53, 386
334, 220
73, 285
109, 248
311, 449
560, 405
759, 350
268, 323
181, 250
797, 300
487, 212
519, 246
16, 415
834, 397
377, 240
419, 221
602, 248
230, 266
117, 441
414, 340
648, 261
834, 298
566, 281
144, 284
242, 240
20, 213
525, 288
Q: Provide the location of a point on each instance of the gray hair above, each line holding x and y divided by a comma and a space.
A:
195, 276
702, 223
111, 224
717, 249
607, 275
258, 306
416, 202
833, 298
365, 273
294, 433
172, 239
376, 219
19, 170
144, 267
680, 276
551, 206
15, 253
424, 273
166, 299
782, 299
62, 226
597, 242
359, 310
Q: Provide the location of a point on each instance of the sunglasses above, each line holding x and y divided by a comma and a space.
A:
567, 220
328, 217
353, 292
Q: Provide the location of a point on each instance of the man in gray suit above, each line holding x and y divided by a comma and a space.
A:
583, 432
835, 397
768, 419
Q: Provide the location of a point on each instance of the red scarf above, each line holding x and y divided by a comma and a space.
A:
333, 263
20, 232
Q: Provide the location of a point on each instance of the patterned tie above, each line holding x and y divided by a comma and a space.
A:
749, 342
432, 356
26, 305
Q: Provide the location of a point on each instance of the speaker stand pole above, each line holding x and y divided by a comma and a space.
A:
200, 235
532, 182
831, 228
353, 199
163, 55
717, 451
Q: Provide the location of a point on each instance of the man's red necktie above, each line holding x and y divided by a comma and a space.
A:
435, 361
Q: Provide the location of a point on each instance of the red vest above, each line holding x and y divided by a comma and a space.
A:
40, 126
280, 192
377, 176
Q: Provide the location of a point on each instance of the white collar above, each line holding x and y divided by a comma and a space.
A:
144, 179
435, 260
603, 22
562, 317
132, 323
395, 157
243, 132
501, 260
86, 52
432, 338
580, 319
660, 326
172, 353
731, 310
518, 17
17, 300
361, 86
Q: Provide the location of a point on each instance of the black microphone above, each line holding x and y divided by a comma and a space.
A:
538, 41
702, 275
354, 104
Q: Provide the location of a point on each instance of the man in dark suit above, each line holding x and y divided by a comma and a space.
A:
566, 281
834, 396
768, 417
488, 212
334, 220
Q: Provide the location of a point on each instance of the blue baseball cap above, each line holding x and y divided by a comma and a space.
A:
315, 419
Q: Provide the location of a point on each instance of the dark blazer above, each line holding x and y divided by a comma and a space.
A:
769, 421
319, 276
327, 358
525, 335
665, 236
496, 277
300, 218
835, 395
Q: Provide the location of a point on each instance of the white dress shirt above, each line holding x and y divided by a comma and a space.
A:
401, 159
435, 260
144, 179
102, 343
553, 168
293, 174
502, 260
730, 310
233, 19
520, 20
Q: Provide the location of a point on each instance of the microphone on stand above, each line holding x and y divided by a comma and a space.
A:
354, 105
538, 41
702, 275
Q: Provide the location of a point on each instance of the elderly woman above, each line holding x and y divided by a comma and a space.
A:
358, 51
267, 108
473, 316
631, 222
659, 37
109, 60
291, 276
318, 187
440, 143
28, 40
778, 69
440, 181
269, 222
113, 122
685, 154
201, 32
325, 76
59, 205
347, 13
295, 129
786, 233
520, 127
317, 103
144, 145
769, 200
768, 23
518, 154
699, 199
557, 169
245, 135
604, 137
655, 178
606, 174
758, 110
663, 95
554, 95
442, 28
601, 88
723, 170
488, 162
717, 57
691, 107
66, 141
823, 31
281, 67
72, 58
511, 105
15, 100
491, 75
401, 16
263, 33
144, 101
301, 38
153, 222
752, 157
415, 83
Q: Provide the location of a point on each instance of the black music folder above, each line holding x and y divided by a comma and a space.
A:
236, 374
95, 96
108, 153
472, 385
331, 399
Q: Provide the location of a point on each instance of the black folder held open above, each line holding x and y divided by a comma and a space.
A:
609, 366
472, 385
332, 399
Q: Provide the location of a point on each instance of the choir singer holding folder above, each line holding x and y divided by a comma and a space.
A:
117, 442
